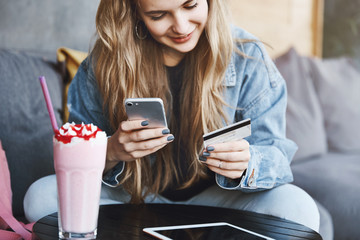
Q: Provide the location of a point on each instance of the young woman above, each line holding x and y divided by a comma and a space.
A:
209, 75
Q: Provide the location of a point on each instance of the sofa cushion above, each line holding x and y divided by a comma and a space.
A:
304, 119
26, 132
337, 82
333, 180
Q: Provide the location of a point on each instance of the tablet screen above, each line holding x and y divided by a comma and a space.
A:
204, 232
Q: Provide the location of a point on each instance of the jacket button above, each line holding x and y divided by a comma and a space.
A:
251, 182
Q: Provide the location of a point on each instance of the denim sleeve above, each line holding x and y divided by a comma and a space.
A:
260, 94
84, 100
85, 105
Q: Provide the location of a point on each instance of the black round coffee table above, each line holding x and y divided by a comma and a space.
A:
126, 221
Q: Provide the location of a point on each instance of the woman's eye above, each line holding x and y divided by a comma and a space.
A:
192, 6
157, 17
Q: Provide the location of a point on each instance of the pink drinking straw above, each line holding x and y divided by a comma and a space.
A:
49, 104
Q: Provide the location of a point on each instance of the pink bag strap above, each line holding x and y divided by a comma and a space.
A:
13, 224
5, 185
7, 235
5, 205
28, 226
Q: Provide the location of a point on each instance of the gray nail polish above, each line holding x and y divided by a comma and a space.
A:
210, 148
144, 123
206, 154
170, 138
165, 131
202, 158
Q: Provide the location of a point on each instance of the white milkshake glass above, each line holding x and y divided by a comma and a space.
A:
79, 160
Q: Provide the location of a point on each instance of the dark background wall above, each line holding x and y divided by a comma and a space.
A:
342, 29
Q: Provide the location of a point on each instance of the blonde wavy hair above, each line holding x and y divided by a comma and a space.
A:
122, 66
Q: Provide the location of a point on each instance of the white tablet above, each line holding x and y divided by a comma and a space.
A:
219, 230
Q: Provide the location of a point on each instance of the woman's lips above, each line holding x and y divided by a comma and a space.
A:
182, 39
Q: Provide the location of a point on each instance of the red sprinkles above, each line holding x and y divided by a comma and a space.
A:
66, 132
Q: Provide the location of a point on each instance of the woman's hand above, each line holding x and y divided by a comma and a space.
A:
229, 159
133, 139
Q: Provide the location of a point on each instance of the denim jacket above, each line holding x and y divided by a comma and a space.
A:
253, 88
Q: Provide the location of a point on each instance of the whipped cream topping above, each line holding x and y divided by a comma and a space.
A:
70, 131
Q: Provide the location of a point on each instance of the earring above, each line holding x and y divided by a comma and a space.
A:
137, 31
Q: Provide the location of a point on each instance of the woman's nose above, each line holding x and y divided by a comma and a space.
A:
180, 24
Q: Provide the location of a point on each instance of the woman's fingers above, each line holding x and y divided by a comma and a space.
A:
150, 144
229, 146
230, 156
136, 131
229, 159
144, 134
142, 153
233, 174
227, 165
133, 139
133, 125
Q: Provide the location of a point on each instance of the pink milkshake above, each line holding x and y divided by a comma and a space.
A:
79, 159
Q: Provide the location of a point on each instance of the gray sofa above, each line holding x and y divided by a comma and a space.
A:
326, 165
323, 114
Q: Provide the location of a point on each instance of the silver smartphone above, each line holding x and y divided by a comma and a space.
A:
151, 109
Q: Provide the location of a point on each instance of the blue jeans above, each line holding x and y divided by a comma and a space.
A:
286, 201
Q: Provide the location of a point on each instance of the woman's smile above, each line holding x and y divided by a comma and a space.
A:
182, 39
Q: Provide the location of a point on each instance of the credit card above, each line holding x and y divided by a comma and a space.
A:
233, 132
